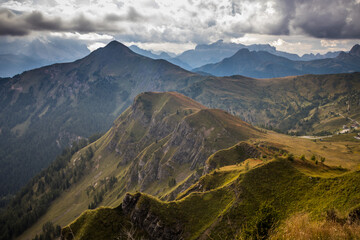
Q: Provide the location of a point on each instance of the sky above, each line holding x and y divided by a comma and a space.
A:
297, 26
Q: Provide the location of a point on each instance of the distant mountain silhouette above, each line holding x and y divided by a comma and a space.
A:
215, 52
162, 55
263, 64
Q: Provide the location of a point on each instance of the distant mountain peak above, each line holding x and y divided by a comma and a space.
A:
355, 50
241, 52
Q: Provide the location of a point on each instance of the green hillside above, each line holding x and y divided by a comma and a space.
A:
250, 200
309, 104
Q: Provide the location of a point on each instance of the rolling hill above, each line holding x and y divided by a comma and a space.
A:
263, 64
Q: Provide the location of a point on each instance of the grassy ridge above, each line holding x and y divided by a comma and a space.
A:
250, 201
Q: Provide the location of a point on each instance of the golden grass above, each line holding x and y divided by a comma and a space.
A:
338, 153
301, 227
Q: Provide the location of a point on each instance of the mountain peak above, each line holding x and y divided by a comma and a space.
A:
113, 50
241, 52
355, 50
115, 45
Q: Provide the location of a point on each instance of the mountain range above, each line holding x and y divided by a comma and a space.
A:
162, 55
215, 52
46, 109
45, 52
262, 64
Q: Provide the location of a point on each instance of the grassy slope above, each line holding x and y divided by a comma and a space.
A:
234, 200
305, 104
343, 151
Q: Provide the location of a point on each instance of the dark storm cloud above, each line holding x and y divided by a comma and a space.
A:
37, 21
23, 23
334, 19
10, 27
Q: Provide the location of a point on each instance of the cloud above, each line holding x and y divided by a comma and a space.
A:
332, 19
192, 21
23, 23
132, 16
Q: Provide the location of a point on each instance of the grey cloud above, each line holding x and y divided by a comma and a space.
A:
23, 23
131, 16
211, 22
334, 19
10, 27
37, 21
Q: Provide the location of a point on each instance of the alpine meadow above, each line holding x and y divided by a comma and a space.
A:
184, 120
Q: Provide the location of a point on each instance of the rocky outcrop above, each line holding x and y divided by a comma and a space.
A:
141, 215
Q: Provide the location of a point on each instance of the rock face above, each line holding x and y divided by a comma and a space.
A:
162, 132
142, 216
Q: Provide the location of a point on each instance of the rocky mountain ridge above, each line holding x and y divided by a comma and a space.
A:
263, 64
